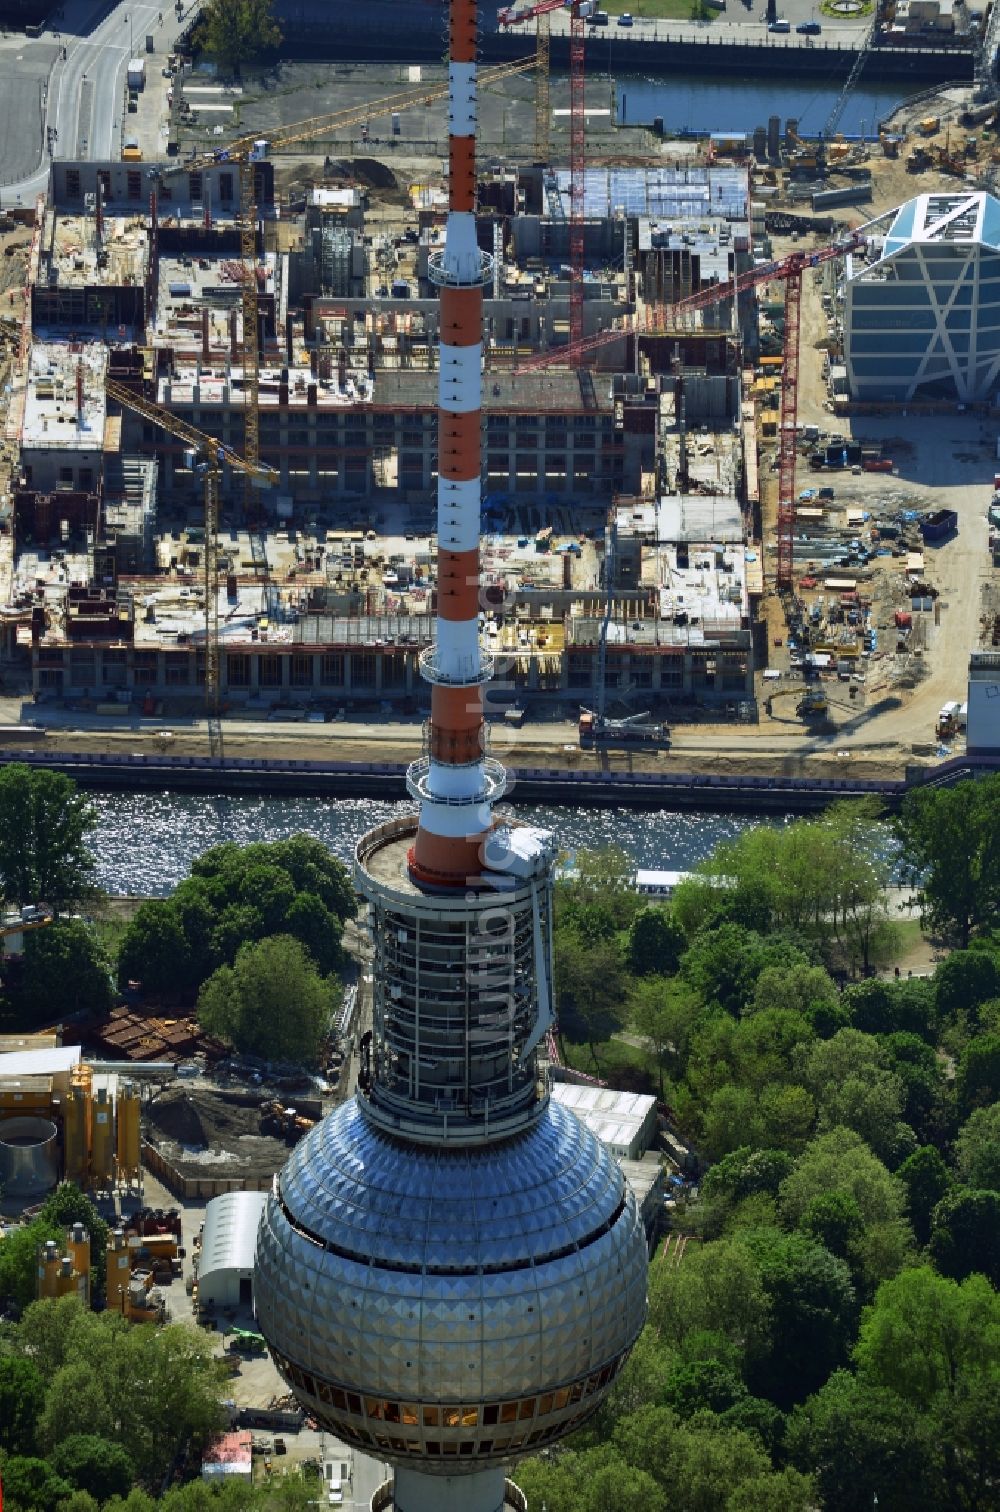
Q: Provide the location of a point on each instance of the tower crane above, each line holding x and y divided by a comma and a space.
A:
213, 457
579, 11
790, 270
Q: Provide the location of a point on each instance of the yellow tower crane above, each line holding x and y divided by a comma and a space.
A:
543, 115
214, 456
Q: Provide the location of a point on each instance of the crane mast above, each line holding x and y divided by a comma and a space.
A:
214, 455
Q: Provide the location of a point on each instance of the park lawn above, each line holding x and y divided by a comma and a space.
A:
661, 10
615, 1058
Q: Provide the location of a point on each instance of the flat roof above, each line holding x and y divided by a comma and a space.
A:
64, 402
52, 1062
617, 1118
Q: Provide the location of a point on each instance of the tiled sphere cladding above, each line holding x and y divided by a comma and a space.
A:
426, 1276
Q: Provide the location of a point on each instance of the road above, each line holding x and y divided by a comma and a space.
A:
72, 104
730, 26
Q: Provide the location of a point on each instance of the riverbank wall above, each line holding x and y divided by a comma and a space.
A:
582, 789
715, 51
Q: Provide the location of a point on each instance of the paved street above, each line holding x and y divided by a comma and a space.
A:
738, 23
79, 97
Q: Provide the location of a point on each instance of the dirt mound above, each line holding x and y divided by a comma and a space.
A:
196, 1128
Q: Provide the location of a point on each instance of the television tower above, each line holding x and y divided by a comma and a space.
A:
451, 1269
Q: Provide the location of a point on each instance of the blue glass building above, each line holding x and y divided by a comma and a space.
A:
922, 320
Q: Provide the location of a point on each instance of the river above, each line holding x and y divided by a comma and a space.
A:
717, 102
146, 841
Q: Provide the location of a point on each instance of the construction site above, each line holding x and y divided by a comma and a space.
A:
221, 440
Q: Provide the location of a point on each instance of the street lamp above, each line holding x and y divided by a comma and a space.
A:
131, 50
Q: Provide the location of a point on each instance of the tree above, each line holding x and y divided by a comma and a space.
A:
977, 1149
950, 839
834, 1220
153, 1391
272, 1002
63, 971
314, 869
963, 982
723, 964
865, 1446
238, 924
44, 825
884, 1006
699, 1464
840, 1161
271, 891
921, 1074
784, 1491
925, 1335
925, 1177
600, 899
774, 1117
965, 1234
19, 1260
743, 1174
812, 1314
94, 1464
154, 949
664, 1012
32, 1485
590, 989
799, 989
238, 31
66, 1205
718, 1289
310, 922
655, 943
977, 1083
22, 1397
854, 1088
702, 1385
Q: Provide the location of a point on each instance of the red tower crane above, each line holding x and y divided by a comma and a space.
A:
579, 11
790, 269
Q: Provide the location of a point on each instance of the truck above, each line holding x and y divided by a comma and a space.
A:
137, 73
635, 729
951, 719
876, 464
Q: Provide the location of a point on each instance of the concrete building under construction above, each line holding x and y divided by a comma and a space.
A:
324, 586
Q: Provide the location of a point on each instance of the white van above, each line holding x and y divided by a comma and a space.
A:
780, 26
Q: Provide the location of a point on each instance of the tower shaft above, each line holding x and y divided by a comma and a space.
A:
454, 783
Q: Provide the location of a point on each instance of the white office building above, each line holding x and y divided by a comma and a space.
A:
922, 303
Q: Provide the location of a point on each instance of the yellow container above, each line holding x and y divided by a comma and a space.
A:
118, 1270
127, 1132
102, 1142
78, 1248
49, 1266
76, 1136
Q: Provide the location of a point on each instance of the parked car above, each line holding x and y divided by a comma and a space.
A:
809, 28
625, 19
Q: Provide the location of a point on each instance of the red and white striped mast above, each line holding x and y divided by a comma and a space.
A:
454, 782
